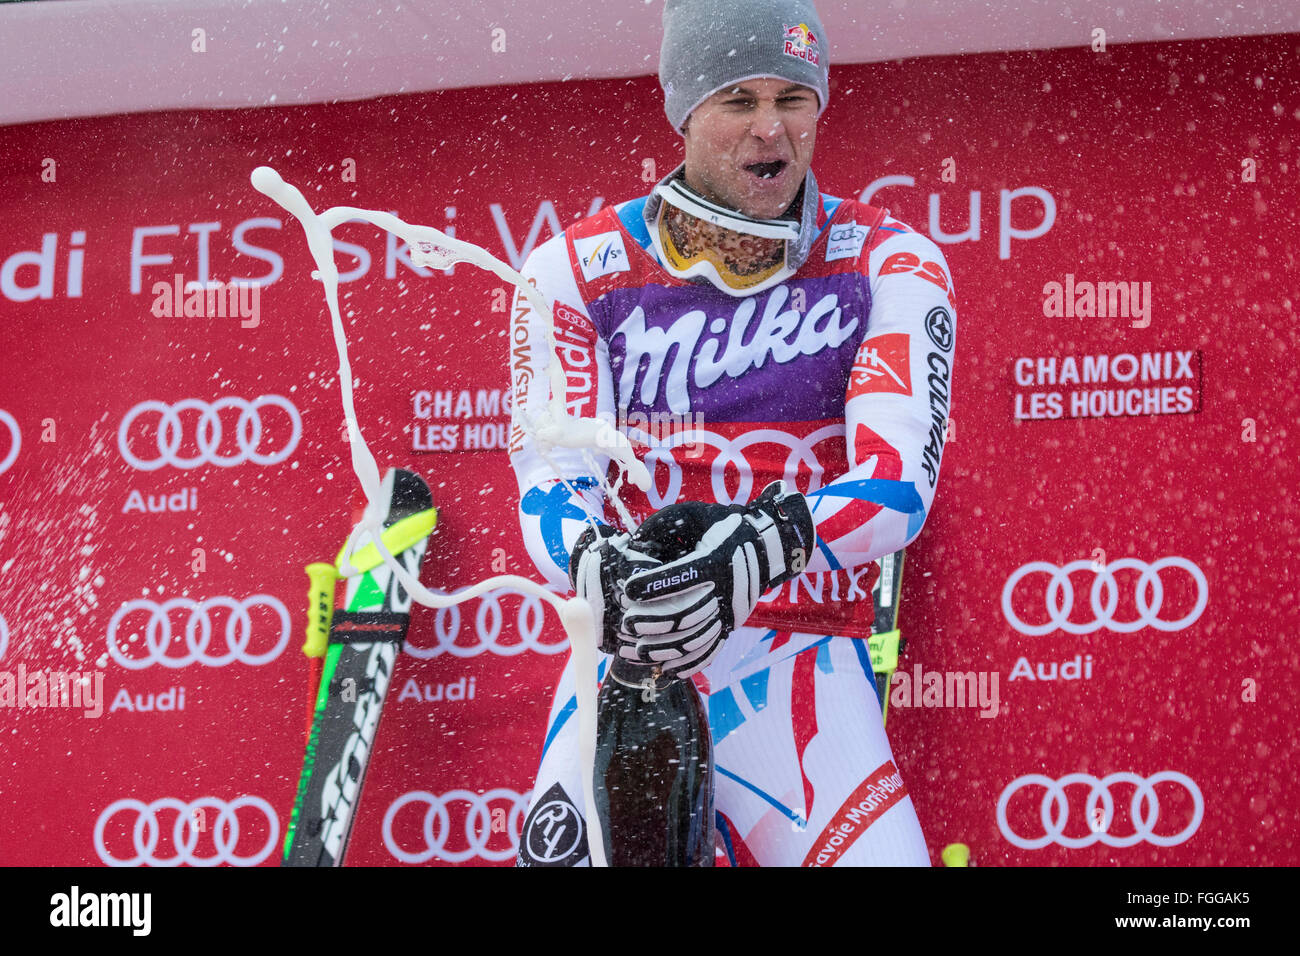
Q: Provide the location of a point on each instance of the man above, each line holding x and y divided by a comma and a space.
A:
745, 329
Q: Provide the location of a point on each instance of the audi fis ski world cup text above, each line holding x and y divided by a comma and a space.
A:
163, 247
149, 242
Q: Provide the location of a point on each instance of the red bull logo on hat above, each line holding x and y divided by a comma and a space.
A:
801, 42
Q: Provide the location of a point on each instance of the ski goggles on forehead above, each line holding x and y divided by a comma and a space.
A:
677, 193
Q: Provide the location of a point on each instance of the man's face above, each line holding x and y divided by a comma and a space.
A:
748, 147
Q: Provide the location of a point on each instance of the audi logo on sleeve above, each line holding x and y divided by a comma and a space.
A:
173, 430
1047, 810
455, 826
1063, 606
170, 832
180, 632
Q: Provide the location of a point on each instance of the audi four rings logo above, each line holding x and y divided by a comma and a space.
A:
248, 432
15, 440
731, 451
488, 621
1149, 596
471, 836
158, 636
1099, 811
189, 842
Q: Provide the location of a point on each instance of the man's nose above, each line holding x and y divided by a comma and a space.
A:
767, 123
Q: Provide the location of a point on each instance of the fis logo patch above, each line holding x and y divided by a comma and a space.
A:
845, 241
601, 255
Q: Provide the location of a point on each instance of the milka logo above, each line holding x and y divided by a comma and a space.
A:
784, 334
690, 574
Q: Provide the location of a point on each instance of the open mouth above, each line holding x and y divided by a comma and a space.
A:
767, 170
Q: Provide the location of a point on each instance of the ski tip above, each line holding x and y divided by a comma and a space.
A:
409, 492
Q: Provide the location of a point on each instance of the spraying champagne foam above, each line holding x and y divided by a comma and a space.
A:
554, 428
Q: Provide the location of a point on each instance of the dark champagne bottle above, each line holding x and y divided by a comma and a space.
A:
654, 773
654, 751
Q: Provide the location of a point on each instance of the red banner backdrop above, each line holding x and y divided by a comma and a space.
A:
1113, 539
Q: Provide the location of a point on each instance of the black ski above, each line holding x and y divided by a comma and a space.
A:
364, 638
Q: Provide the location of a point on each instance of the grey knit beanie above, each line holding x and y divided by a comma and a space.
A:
712, 44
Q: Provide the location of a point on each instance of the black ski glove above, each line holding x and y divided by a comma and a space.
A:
601, 561
717, 561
